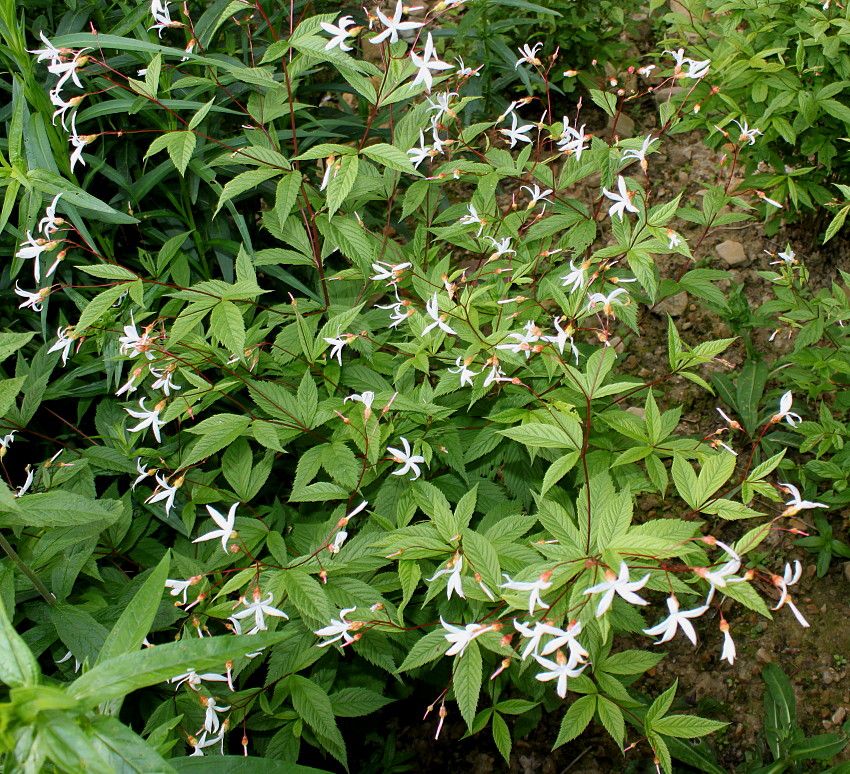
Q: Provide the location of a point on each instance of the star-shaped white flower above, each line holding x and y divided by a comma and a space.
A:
747, 133
676, 619
466, 374
789, 578
394, 26
339, 31
536, 194
535, 588
622, 200
618, 584
785, 403
561, 669
259, 608
149, 418
64, 343
427, 62
433, 310
455, 583
410, 461
461, 637
635, 154
729, 652
339, 629
528, 55
166, 494
796, 504
225, 526
50, 223
517, 133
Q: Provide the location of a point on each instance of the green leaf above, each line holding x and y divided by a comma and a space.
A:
355, 702
314, 706
578, 716
660, 706
342, 181
216, 433
124, 674
686, 726
611, 716
12, 342
307, 595
9, 389
136, 620
79, 631
558, 469
539, 435
391, 157
60, 508
243, 182
428, 648
228, 326
126, 751
97, 306
501, 736
286, 194
467, 679
18, 666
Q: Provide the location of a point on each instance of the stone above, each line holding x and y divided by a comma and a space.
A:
732, 253
675, 306
764, 655
625, 126
839, 715
637, 411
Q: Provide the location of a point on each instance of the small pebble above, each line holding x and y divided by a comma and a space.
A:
839, 715
764, 655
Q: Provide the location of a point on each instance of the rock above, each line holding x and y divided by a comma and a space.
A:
625, 126
764, 655
675, 306
827, 677
847, 571
637, 411
732, 253
839, 715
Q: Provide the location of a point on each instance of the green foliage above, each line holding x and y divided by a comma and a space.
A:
345, 397
781, 68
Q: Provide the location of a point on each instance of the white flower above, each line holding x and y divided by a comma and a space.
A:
33, 248
618, 584
502, 247
785, 403
367, 398
639, 154
536, 194
440, 103
164, 380
181, 587
747, 133
517, 133
49, 51
529, 55
211, 721
7, 440
563, 336
62, 106
675, 620
433, 311
64, 343
397, 316
259, 608
24, 488
697, 69
149, 418
496, 374
718, 579
143, 472
455, 583
607, 301
461, 637
133, 344
795, 504
166, 494
763, 196
789, 257
339, 629
426, 63
418, 155
162, 17
388, 271
339, 32
394, 25
789, 578
729, 651
572, 140
49, 224
622, 200
338, 540
466, 72
559, 670
225, 531
535, 588
66, 68
78, 141
193, 679
576, 278
675, 239
473, 217
465, 372
409, 460
337, 344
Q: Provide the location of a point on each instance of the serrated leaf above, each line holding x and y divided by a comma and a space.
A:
314, 706
286, 193
307, 594
215, 433
245, 181
391, 157
427, 649
578, 716
356, 702
686, 726
18, 666
539, 435
467, 679
342, 181
611, 716
228, 326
